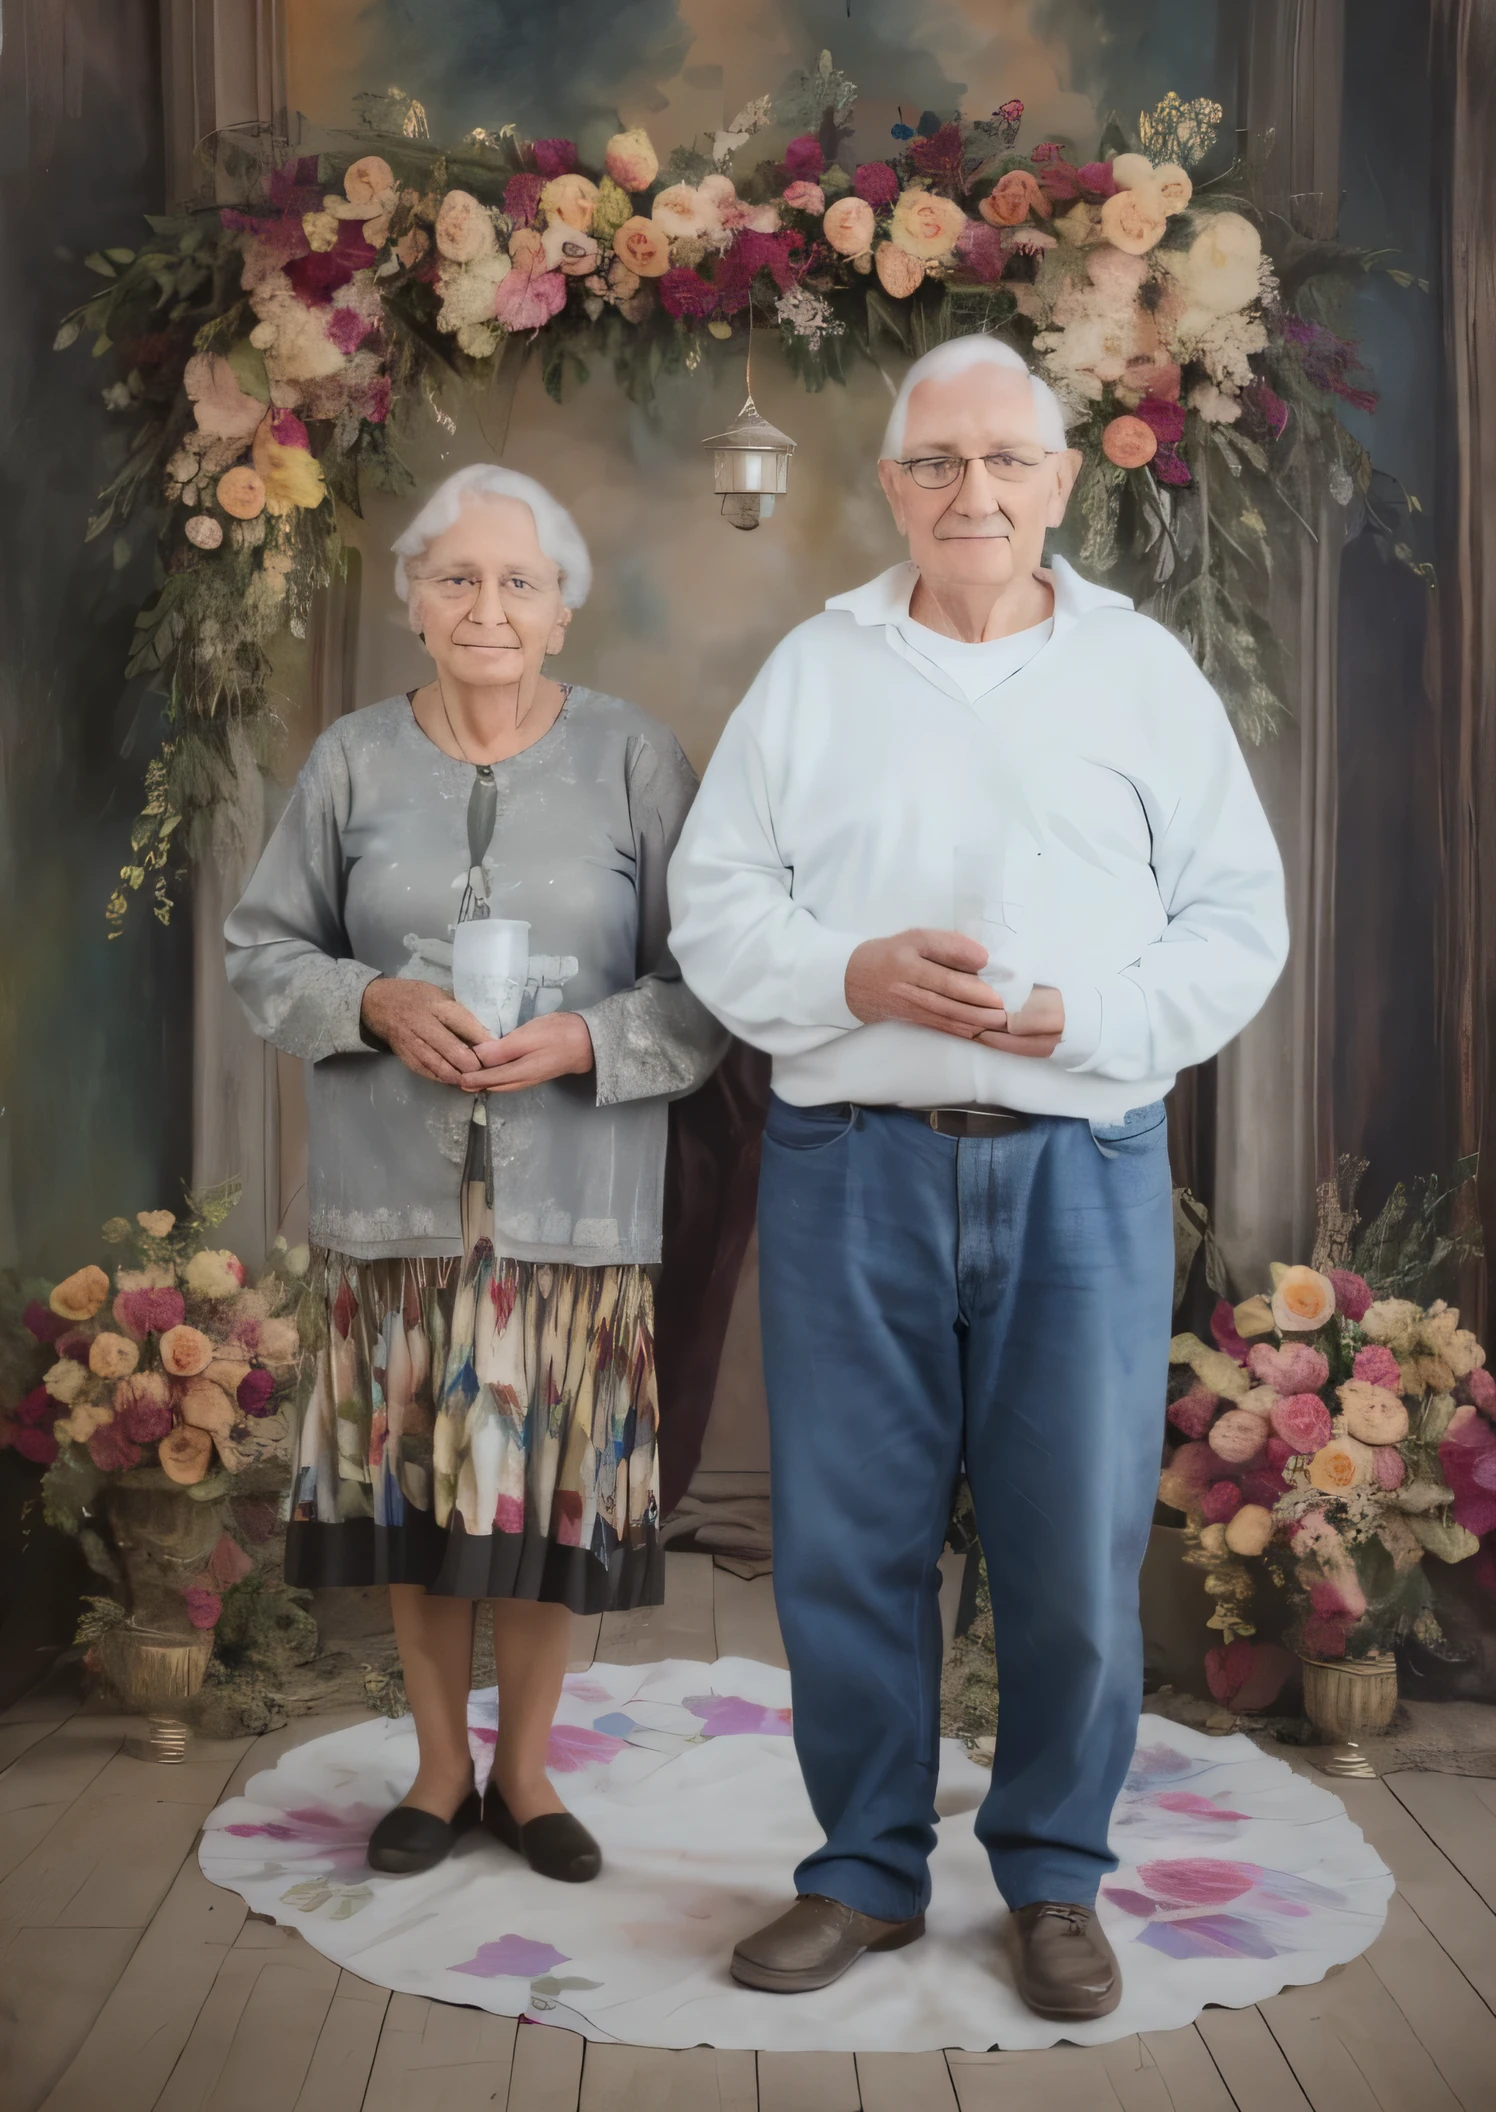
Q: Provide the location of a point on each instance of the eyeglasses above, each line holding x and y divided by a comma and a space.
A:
1010, 465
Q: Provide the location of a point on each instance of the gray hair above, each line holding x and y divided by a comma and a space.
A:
954, 357
558, 534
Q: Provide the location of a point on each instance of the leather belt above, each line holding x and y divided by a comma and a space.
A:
968, 1121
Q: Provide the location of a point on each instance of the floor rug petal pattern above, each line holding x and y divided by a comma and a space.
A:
1237, 1877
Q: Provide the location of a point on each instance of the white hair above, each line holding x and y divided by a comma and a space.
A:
954, 357
558, 534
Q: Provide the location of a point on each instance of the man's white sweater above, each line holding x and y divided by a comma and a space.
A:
1129, 850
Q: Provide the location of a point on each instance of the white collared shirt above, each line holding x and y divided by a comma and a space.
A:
1129, 850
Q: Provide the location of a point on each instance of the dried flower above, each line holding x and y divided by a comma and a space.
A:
44, 1325
876, 184
530, 295
1012, 198
848, 226
1238, 1436
256, 1392
1249, 1530
803, 197
185, 1351
321, 231
111, 1450
241, 493
1134, 221
1302, 1421
204, 1607
183, 1454
1220, 1503
1467, 1459
571, 198
1219, 270
1214, 405
1392, 1321
279, 1342
203, 532
682, 211
803, 156
643, 247
79, 1296
112, 1356
463, 228
1372, 1413
1187, 1475
38, 1445
1344, 1463
292, 479
1194, 1412
899, 273
1304, 1299
214, 1272
925, 225
1390, 1467
206, 1407
143, 1405
554, 157
66, 1380
1129, 442
369, 183
631, 161
566, 249
683, 293
1254, 1316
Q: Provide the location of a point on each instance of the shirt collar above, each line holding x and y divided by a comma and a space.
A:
885, 600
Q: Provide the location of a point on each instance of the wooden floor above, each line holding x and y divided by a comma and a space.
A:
128, 1982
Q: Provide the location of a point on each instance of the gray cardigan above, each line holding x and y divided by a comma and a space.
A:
363, 877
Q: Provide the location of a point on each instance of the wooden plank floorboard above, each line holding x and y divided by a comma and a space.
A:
267, 2060
35, 1714
1058, 2079
905, 2082
808, 2082
47, 1780
1459, 1813
1351, 2048
1453, 2023
139, 2033
547, 2071
747, 1625
436, 2058
344, 2053
654, 2079
1189, 2075
1250, 2060
682, 1627
53, 1983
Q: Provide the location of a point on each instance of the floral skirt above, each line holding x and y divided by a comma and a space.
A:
485, 1428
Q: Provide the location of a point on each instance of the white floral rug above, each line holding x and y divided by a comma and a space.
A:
1237, 1877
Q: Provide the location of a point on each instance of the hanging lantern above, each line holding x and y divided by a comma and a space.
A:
752, 464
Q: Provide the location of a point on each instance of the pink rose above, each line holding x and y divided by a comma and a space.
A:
1296, 1368
528, 297
1378, 1367
804, 197
1302, 1421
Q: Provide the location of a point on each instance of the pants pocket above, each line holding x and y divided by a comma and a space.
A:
807, 1129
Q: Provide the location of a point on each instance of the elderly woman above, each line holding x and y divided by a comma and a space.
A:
485, 1212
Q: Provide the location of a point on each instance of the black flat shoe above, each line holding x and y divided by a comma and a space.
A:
554, 1845
407, 1841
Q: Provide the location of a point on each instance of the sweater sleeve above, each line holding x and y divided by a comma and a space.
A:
288, 956
655, 1040
1220, 880
768, 969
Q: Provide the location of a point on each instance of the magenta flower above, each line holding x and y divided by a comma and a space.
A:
1269, 406
982, 251
876, 183
338, 1837
1352, 1292
939, 158
1276, 1453
522, 197
255, 1391
1325, 1635
42, 1322
1166, 419
781, 255
1391, 1467
1467, 1460
318, 275
1227, 1670
1096, 179
1060, 180
294, 186
1220, 1503
1194, 1412
36, 1444
35, 1408
142, 1313
1302, 1421
112, 1450
554, 157
803, 157
144, 1418
1223, 1330
1480, 1389
348, 329
204, 1607
686, 294
1262, 1485
1377, 1365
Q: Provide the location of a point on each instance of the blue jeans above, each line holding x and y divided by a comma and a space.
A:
928, 1303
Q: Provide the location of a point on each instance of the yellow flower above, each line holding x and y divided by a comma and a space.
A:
631, 160
1134, 221
79, 1296
112, 1356
320, 229
1082, 224
156, 1222
292, 476
572, 199
85, 1419
1303, 1301
925, 225
1254, 1316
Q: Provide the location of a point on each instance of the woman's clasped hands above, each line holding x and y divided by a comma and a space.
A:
437, 1038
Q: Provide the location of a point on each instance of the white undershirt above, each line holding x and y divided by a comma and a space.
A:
976, 668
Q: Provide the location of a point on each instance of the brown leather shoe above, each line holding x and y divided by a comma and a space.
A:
814, 1943
1064, 1966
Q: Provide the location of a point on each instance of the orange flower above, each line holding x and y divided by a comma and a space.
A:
1303, 1301
241, 492
183, 1455
79, 1296
643, 247
112, 1356
1344, 1463
926, 225
1129, 442
899, 273
185, 1351
1012, 199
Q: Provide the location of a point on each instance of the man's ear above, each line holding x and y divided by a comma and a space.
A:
891, 477
1068, 467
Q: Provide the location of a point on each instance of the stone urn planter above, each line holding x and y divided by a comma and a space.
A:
1347, 1699
155, 1658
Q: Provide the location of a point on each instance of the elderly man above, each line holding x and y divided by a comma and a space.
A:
964, 1210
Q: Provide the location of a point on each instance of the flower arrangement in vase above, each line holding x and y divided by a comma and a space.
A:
1337, 1439
149, 1392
